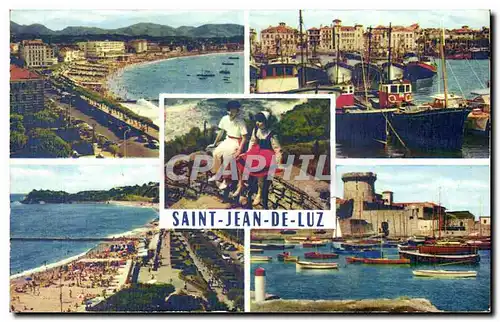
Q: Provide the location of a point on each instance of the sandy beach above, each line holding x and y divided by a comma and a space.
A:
117, 69
67, 285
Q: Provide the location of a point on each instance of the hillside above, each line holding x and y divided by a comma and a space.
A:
139, 29
147, 191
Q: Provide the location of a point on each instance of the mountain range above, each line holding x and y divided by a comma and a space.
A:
139, 29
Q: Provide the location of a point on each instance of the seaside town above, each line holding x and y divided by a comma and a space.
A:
282, 129
388, 256
427, 84
65, 85
102, 250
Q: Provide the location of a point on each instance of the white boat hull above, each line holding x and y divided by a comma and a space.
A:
444, 274
277, 84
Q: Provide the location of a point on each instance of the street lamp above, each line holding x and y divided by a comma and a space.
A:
125, 142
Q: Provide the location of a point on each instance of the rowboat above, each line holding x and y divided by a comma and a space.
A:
313, 265
287, 257
416, 257
444, 273
271, 246
261, 259
317, 255
313, 244
352, 259
387, 261
256, 250
378, 261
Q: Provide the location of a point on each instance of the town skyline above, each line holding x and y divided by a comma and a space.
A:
462, 187
452, 19
72, 178
112, 19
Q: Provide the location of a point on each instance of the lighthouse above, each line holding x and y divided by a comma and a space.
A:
260, 285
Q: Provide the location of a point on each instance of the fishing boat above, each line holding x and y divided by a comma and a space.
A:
256, 250
339, 72
317, 255
227, 63
416, 258
234, 57
358, 124
277, 76
480, 53
478, 121
436, 126
366, 74
225, 71
480, 244
313, 244
420, 69
447, 249
396, 71
444, 273
314, 265
287, 257
261, 259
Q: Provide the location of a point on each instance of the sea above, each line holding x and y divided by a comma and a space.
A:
212, 110
65, 220
179, 76
359, 281
464, 76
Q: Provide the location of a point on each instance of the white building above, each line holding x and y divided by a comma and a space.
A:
102, 49
36, 53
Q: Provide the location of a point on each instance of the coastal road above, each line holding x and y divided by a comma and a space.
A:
133, 146
207, 274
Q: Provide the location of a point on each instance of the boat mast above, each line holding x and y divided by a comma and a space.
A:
302, 80
369, 52
439, 212
389, 56
443, 69
338, 56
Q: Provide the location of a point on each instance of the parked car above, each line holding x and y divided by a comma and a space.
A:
153, 144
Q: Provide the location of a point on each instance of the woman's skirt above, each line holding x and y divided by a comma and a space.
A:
253, 159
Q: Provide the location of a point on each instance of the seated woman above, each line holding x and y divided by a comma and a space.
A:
235, 129
263, 142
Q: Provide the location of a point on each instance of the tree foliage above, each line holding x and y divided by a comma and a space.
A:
44, 143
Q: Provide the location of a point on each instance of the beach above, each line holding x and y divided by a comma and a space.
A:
67, 285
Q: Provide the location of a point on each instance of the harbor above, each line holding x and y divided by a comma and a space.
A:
402, 90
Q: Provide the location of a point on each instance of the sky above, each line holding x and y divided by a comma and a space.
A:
75, 178
111, 19
450, 19
462, 187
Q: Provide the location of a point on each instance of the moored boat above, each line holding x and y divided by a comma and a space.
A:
261, 259
287, 257
256, 250
313, 244
339, 72
447, 249
416, 258
444, 273
317, 255
386, 261
423, 69
315, 265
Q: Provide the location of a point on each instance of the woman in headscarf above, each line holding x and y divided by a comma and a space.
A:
235, 129
264, 144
